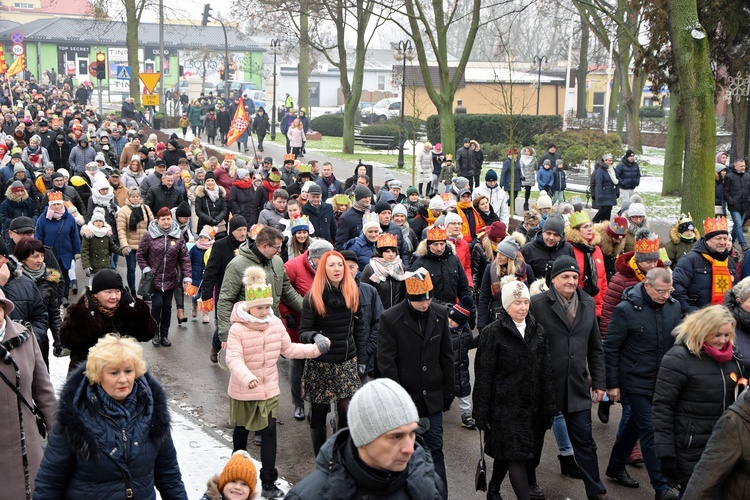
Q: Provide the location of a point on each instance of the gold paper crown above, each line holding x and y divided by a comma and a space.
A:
259, 293
229, 156
305, 168
55, 196
387, 240
648, 245
300, 221
578, 218
341, 199
274, 175
289, 157
712, 225
417, 285
436, 233
255, 230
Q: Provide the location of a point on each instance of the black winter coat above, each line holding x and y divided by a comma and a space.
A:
322, 219
737, 191
505, 175
49, 290
448, 276
343, 328
349, 226
575, 351
24, 294
513, 396
487, 303
159, 196
391, 291
693, 277
210, 212
240, 200
691, 394
59, 154
638, 336
222, 253
340, 475
260, 124
629, 174
420, 360
540, 257
463, 341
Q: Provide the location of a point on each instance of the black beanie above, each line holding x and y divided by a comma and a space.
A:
382, 206
361, 191
106, 279
174, 143
461, 312
183, 210
209, 175
237, 222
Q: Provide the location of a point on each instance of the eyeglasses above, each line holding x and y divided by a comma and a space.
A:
278, 248
662, 291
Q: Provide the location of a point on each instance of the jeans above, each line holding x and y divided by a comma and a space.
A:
434, 183
638, 426
433, 440
161, 310
625, 415
260, 141
584, 447
558, 197
737, 235
215, 340
561, 435
131, 262
464, 404
296, 366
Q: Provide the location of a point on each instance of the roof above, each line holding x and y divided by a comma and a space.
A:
112, 33
488, 74
8, 25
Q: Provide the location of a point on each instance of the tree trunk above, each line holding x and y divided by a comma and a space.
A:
447, 129
583, 70
131, 42
693, 74
303, 68
675, 148
739, 125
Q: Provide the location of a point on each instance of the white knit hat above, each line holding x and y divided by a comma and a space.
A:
437, 203
544, 201
378, 407
513, 291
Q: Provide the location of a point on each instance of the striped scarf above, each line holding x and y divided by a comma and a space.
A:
721, 278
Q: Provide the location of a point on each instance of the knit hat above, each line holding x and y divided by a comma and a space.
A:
349, 256
209, 175
18, 168
418, 285
99, 157
183, 210
98, 215
547, 162
64, 172
491, 175
436, 203
544, 201
646, 245
452, 217
509, 247
558, 162
370, 221
532, 216
56, 175
318, 247
174, 170
362, 191
106, 279
718, 167
237, 222
513, 291
312, 188
300, 224
382, 206
496, 233
17, 186
577, 219
398, 208
461, 311
466, 139
412, 190
438, 148
378, 407
637, 210
564, 263
714, 227
8, 305
607, 156
163, 212
257, 292
555, 223
388, 178
617, 228
685, 223
208, 232
240, 468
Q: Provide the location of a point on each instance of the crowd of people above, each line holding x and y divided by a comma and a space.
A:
375, 297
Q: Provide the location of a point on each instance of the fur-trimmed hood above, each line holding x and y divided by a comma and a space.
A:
87, 230
10, 195
573, 236
606, 242
422, 248
200, 191
477, 146
212, 489
674, 234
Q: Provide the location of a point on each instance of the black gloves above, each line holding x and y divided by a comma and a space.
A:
447, 402
291, 322
669, 467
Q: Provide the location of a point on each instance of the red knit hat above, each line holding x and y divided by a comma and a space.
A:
496, 232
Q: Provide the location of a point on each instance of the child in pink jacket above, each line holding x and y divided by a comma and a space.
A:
256, 339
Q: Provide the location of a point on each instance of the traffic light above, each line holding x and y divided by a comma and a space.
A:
101, 66
206, 14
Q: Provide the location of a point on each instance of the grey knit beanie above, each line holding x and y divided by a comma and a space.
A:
555, 223
509, 247
378, 407
318, 247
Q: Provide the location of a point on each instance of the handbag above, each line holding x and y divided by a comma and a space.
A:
480, 476
40, 425
146, 285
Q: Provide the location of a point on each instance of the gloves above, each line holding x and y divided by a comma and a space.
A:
669, 467
126, 251
321, 342
447, 402
361, 369
291, 322
126, 297
88, 271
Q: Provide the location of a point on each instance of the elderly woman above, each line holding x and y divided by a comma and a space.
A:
738, 303
693, 388
513, 397
112, 436
24, 371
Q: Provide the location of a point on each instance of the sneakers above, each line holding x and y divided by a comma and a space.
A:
205, 318
74, 286
468, 423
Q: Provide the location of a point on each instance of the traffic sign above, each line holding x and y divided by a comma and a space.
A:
123, 72
150, 99
150, 80
16, 37
17, 50
92, 69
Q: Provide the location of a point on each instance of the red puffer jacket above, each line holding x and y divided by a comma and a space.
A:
301, 276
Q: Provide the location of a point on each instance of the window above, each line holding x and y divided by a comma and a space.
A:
381, 82
598, 103
23, 5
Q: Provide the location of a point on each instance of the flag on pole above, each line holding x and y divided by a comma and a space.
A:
18, 65
240, 122
3, 64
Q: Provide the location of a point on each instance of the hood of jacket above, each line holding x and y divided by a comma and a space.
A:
606, 242
742, 406
573, 236
16, 198
423, 251
155, 231
635, 295
87, 230
200, 191
676, 238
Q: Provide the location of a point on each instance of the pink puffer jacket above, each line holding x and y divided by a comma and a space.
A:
252, 352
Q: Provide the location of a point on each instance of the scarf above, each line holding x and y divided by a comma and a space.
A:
120, 412
2, 330
270, 188
721, 278
637, 270
570, 307
204, 246
99, 232
55, 211
430, 218
246, 317
612, 175
589, 278
136, 216
213, 194
103, 310
721, 355
382, 269
463, 207
34, 275
407, 238
243, 184
331, 186
412, 208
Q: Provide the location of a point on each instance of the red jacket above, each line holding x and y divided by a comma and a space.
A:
301, 276
223, 178
463, 252
575, 239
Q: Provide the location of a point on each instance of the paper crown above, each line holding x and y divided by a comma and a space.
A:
436, 233
578, 218
299, 224
305, 169
370, 218
255, 230
715, 225
342, 199
419, 284
387, 240
289, 158
274, 175
257, 292
448, 200
685, 223
229, 157
55, 196
449, 157
648, 243
618, 227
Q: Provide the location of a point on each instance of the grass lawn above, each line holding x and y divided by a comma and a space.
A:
331, 146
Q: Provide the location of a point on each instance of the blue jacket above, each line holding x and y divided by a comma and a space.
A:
196, 264
60, 235
362, 248
79, 157
505, 176
87, 457
544, 179
692, 278
629, 174
604, 188
560, 182
350, 226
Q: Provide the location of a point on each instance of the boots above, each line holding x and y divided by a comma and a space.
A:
493, 492
268, 479
636, 458
318, 437
181, 318
569, 467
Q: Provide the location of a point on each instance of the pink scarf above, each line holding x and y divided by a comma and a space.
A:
723, 355
55, 211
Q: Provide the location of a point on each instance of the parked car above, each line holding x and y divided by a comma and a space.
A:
381, 111
340, 109
258, 97
239, 87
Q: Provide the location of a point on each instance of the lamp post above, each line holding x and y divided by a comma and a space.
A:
404, 52
539, 60
275, 44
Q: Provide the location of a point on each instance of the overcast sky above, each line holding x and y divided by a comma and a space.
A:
193, 9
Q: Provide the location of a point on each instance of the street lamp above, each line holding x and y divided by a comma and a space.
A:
404, 52
539, 60
275, 44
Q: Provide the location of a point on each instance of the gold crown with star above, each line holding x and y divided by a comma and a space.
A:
715, 224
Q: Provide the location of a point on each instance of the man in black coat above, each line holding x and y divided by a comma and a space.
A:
438, 256
568, 315
737, 196
415, 350
547, 245
320, 214
350, 222
224, 121
222, 254
639, 335
163, 195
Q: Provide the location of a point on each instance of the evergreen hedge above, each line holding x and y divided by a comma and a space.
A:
328, 125
495, 129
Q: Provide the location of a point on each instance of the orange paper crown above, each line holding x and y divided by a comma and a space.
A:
712, 225
229, 157
289, 157
419, 287
55, 196
648, 245
387, 240
436, 233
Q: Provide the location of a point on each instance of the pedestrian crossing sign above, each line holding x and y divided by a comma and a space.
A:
123, 72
